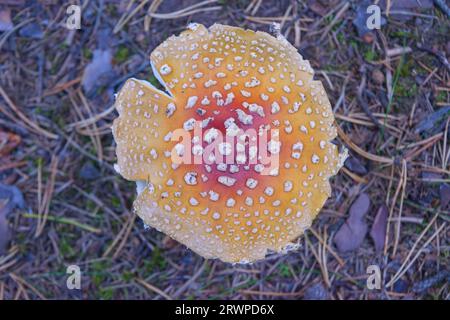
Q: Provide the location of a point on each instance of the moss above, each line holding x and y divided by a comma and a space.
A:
401, 34
284, 270
115, 202
87, 53
65, 247
99, 272
122, 54
370, 55
157, 261
406, 90
127, 276
106, 293
441, 97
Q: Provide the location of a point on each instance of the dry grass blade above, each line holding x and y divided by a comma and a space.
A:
65, 221
403, 269
8, 260
47, 198
25, 284
445, 152
190, 281
123, 234
354, 176
188, 10
61, 87
322, 241
95, 137
403, 183
335, 20
92, 120
360, 151
152, 9
427, 143
30, 124
125, 19
273, 293
152, 288
185, 14
321, 260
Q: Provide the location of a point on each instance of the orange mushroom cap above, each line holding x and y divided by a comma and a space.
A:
228, 78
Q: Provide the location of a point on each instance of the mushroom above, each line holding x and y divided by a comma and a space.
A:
224, 80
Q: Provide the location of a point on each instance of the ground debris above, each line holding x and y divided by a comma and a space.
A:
434, 122
354, 164
5, 20
97, 72
316, 292
444, 192
10, 198
426, 284
352, 233
378, 231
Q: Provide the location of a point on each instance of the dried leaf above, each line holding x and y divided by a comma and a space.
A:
352, 233
353, 164
378, 231
89, 172
99, 68
8, 141
434, 122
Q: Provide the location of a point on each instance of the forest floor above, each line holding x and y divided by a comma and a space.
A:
65, 204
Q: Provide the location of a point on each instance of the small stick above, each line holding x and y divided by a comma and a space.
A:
360, 151
151, 287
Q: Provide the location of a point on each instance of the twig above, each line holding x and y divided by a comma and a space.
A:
360, 151
31, 125
151, 287
404, 269
191, 279
402, 197
442, 59
65, 221
21, 281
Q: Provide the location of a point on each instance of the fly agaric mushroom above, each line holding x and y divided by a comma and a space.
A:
227, 80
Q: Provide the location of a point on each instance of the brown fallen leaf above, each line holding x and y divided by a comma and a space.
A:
8, 141
352, 233
378, 231
354, 164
